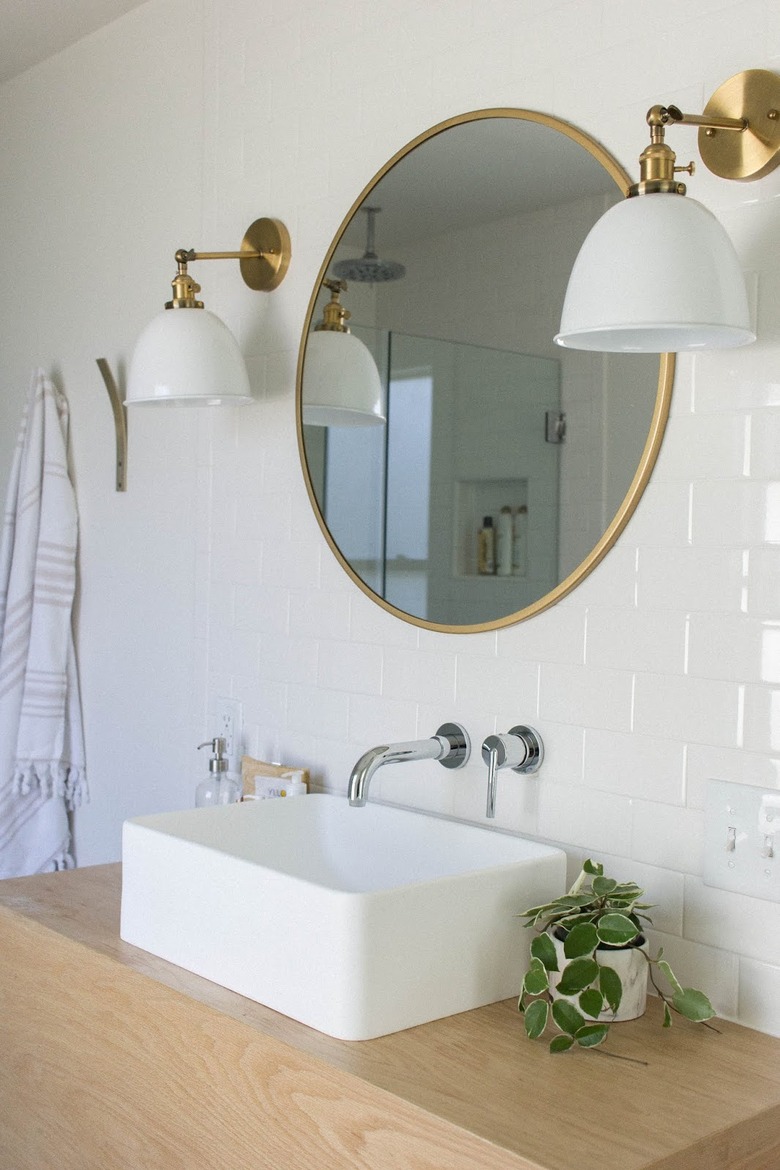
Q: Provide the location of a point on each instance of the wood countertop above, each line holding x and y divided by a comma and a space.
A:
110, 1057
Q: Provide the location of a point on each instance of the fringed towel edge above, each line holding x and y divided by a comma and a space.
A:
52, 778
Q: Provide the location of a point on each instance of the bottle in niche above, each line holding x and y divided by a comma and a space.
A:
520, 541
486, 548
504, 543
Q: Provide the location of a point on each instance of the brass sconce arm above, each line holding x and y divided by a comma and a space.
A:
739, 134
667, 114
264, 259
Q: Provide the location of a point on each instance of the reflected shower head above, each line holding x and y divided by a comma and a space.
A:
368, 268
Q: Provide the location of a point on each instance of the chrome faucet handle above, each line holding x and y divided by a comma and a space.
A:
520, 749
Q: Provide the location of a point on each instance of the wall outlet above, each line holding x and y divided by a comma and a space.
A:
229, 723
742, 839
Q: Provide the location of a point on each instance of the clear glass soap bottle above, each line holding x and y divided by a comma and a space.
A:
218, 787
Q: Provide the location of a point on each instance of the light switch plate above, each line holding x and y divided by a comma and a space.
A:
742, 839
229, 723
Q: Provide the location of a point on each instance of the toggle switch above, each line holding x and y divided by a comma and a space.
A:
741, 823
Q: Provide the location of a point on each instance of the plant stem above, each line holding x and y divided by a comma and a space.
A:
618, 1056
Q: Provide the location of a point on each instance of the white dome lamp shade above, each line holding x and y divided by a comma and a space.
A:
341, 386
187, 359
658, 272
190, 358
656, 275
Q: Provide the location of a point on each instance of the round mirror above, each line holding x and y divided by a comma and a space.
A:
467, 472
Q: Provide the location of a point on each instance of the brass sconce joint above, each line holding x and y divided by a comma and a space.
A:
657, 161
334, 315
184, 286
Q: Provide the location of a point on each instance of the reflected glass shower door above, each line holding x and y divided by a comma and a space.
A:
408, 490
465, 437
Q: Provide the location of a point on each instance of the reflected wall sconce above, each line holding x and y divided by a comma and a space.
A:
341, 384
192, 358
658, 273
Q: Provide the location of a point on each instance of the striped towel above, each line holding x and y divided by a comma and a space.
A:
42, 768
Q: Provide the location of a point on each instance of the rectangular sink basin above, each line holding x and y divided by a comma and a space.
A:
356, 921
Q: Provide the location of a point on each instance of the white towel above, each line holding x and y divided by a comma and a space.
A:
42, 767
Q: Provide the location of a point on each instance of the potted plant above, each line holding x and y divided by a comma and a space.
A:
590, 963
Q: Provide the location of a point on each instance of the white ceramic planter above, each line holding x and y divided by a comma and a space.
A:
630, 964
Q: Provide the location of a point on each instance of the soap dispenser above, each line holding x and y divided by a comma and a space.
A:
218, 787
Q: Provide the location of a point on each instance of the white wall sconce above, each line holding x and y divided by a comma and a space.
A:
192, 358
341, 384
658, 273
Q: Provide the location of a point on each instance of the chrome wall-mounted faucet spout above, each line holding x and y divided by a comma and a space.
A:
450, 745
521, 749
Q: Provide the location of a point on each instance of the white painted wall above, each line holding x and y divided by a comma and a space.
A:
90, 144
177, 126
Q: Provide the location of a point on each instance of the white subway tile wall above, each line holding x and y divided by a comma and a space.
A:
211, 576
658, 672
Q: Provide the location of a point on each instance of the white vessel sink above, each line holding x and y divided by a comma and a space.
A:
355, 921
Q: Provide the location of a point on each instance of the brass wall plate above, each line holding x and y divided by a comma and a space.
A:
265, 273
754, 96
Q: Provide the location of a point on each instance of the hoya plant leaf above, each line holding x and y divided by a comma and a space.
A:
611, 987
561, 1044
535, 911
693, 1004
543, 949
536, 1018
616, 930
591, 1035
578, 975
581, 940
670, 975
576, 918
667, 1016
628, 889
603, 886
595, 868
592, 1002
567, 1017
536, 980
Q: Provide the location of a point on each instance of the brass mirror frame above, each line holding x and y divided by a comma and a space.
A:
657, 424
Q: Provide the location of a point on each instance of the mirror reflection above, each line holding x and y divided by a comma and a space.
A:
496, 469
